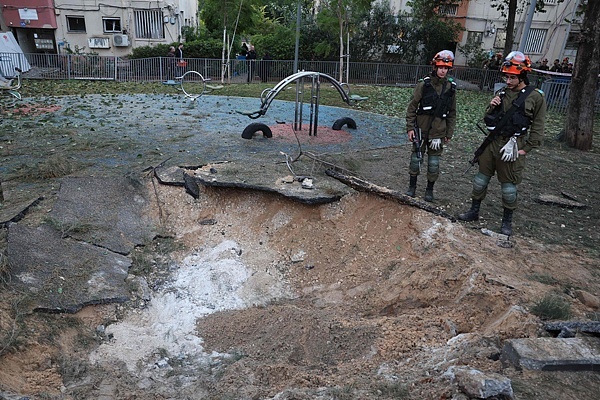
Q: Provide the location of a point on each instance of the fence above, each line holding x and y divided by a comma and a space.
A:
93, 67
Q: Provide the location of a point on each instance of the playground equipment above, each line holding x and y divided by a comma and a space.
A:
10, 87
192, 84
268, 95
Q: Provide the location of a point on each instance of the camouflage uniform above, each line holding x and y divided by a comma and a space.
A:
510, 173
432, 127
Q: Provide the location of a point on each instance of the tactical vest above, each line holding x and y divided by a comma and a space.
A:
433, 104
518, 123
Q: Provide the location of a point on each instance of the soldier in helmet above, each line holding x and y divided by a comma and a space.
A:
430, 121
515, 121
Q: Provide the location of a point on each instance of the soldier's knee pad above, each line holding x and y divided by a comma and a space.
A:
480, 182
509, 192
433, 164
414, 164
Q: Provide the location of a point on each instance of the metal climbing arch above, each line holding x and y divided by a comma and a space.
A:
316, 78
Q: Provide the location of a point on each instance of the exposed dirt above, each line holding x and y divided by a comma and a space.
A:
250, 295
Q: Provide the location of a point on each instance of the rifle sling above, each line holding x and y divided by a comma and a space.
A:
494, 134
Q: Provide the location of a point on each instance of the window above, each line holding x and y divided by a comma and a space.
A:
111, 24
500, 38
572, 41
448, 9
149, 24
535, 40
75, 24
474, 37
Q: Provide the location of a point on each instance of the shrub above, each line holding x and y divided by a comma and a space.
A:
205, 48
552, 306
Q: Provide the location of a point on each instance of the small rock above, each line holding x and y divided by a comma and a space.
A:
481, 385
588, 299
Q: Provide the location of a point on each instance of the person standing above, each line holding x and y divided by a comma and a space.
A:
515, 120
251, 60
432, 112
556, 66
171, 63
181, 63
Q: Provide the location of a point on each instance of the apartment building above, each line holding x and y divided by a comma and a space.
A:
110, 27
550, 36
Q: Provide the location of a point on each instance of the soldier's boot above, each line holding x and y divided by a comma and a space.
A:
506, 228
472, 214
412, 186
429, 191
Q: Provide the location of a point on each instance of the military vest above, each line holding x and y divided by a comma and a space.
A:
433, 104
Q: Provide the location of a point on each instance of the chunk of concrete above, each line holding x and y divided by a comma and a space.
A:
553, 354
61, 274
478, 384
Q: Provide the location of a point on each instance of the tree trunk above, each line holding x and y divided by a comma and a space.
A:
510, 27
584, 81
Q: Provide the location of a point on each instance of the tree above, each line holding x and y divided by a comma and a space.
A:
378, 30
342, 16
584, 81
425, 31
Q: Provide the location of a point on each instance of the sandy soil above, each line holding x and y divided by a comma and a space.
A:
249, 295
357, 299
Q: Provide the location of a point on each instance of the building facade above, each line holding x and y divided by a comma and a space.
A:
110, 27
551, 34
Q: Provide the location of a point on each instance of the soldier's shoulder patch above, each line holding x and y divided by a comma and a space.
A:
540, 91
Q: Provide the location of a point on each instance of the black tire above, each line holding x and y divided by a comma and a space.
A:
338, 124
256, 127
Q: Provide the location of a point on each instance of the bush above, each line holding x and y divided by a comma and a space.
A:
205, 48
552, 306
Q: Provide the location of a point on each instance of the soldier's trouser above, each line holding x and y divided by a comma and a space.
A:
509, 174
433, 162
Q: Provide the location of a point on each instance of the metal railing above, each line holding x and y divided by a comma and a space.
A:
156, 69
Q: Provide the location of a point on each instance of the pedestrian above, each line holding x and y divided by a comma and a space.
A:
430, 121
171, 63
495, 62
544, 65
556, 66
181, 63
251, 60
179, 52
515, 121
569, 68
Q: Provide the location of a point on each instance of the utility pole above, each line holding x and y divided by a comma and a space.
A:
298, 15
527, 26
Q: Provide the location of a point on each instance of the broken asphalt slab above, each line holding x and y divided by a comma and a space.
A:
63, 275
78, 257
106, 212
553, 354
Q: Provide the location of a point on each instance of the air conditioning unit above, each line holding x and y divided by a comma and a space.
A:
121, 40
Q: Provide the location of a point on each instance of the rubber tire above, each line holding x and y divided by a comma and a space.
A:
338, 124
256, 127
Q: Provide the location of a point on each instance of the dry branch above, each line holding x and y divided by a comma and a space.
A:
362, 185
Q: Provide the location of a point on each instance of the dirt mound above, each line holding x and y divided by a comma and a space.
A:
355, 298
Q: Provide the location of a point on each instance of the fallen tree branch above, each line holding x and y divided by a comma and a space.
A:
362, 185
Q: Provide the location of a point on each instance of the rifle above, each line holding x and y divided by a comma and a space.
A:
418, 143
488, 139
498, 128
